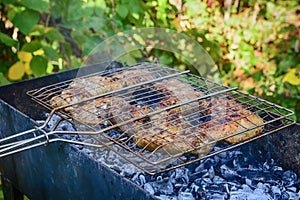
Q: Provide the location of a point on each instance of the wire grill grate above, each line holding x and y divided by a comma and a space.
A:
165, 118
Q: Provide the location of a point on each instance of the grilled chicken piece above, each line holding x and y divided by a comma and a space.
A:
179, 92
132, 77
93, 86
83, 88
121, 110
172, 137
93, 112
230, 117
87, 87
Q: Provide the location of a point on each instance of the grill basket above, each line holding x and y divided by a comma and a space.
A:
121, 109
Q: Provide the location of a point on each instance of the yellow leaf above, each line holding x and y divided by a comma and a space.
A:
139, 39
27, 68
16, 71
24, 56
291, 77
38, 52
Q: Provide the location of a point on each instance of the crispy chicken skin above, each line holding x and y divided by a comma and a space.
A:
178, 92
229, 117
121, 110
172, 135
132, 77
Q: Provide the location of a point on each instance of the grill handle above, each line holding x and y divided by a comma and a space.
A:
36, 139
17, 143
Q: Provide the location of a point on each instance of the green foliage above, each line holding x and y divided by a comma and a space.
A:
255, 44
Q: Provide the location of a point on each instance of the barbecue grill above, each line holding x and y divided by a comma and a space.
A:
62, 155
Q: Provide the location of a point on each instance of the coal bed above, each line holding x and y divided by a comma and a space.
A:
267, 168
229, 175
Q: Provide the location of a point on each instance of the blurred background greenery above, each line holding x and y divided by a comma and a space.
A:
255, 43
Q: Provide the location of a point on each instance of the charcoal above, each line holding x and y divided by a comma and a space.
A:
139, 179
240, 162
163, 187
241, 195
293, 195
181, 176
218, 180
185, 196
285, 196
268, 165
262, 188
259, 175
194, 176
228, 173
292, 189
289, 178
211, 172
149, 188
251, 183
275, 192
246, 188
217, 196
194, 188
142, 179
203, 182
208, 162
277, 169
166, 197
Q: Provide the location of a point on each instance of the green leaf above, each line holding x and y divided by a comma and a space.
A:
38, 65
136, 54
7, 40
25, 20
54, 35
3, 81
8, 1
78, 36
127, 60
97, 23
32, 46
165, 59
90, 44
38, 30
122, 10
50, 53
68, 49
253, 60
100, 7
78, 10
38, 5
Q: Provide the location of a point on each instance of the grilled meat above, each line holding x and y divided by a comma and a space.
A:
83, 88
121, 111
172, 130
173, 135
230, 117
132, 77
179, 92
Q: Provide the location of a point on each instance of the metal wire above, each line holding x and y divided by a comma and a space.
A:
164, 117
